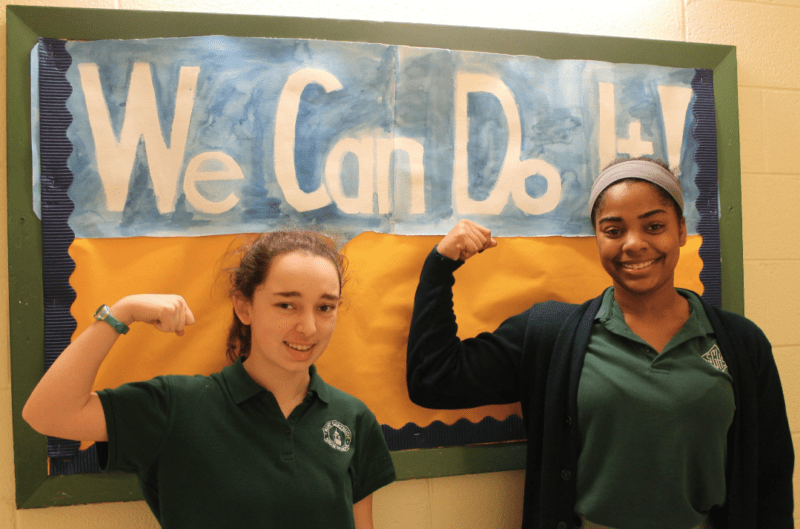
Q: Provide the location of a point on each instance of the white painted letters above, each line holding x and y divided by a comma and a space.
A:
194, 174
364, 150
376, 191
115, 158
374, 153
610, 145
285, 124
514, 172
415, 190
607, 133
674, 104
634, 145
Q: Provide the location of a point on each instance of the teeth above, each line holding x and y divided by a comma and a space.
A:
637, 266
299, 347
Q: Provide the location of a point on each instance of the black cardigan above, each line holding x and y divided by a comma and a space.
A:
536, 358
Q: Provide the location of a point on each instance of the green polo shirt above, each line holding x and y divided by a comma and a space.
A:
653, 427
216, 451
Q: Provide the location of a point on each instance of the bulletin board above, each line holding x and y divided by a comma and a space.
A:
38, 487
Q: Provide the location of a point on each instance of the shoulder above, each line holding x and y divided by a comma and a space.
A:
348, 409
731, 324
740, 337
342, 400
191, 383
542, 326
555, 314
164, 387
720, 318
553, 310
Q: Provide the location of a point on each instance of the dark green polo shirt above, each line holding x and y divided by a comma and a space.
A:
216, 451
653, 427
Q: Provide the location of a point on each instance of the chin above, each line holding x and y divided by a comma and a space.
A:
639, 290
301, 364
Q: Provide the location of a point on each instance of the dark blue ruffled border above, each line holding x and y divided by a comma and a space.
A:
438, 434
705, 134
57, 265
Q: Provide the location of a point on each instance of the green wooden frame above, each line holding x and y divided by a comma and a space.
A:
26, 23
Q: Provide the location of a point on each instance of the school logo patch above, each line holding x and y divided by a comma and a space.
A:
714, 357
337, 435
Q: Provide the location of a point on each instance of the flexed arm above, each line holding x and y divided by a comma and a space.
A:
63, 404
444, 371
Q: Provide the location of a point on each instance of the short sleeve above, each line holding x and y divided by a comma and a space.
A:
137, 419
372, 465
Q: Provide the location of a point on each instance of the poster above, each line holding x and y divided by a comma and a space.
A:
172, 148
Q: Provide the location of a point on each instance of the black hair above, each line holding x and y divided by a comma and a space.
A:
665, 196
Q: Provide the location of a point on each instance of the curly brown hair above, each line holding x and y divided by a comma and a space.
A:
257, 256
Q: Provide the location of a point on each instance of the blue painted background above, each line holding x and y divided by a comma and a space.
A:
388, 91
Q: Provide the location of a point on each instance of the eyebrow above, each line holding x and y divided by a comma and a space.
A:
295, 294
642, 216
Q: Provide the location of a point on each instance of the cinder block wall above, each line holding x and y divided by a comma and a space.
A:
767, 36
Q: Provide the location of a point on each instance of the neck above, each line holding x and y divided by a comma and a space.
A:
649, 305
286, 386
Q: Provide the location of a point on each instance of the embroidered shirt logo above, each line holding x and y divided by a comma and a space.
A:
337, 435
714, 357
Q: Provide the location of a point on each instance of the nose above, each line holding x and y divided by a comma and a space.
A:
634, 241
306, 323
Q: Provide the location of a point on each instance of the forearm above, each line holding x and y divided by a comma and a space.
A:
362, 513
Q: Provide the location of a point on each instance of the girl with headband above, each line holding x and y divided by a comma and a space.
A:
265, 442
645, 408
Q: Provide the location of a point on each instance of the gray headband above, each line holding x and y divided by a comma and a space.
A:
640, 170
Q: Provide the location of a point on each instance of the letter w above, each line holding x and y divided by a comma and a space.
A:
115, 158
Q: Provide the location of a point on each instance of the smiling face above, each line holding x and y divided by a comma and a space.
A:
639, 235
293, 312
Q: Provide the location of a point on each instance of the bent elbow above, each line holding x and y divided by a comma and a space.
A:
416, 396
33, 416
41, 416
416, 390
420, 395
430, 401
423, 386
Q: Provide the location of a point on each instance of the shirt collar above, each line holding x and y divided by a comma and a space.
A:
698, 314
242, 386
697, 324
318, 386
606, 310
